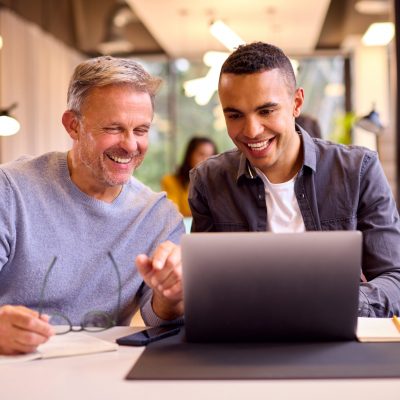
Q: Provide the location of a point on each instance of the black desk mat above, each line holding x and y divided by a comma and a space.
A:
174, 358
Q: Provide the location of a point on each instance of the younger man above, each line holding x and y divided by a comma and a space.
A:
281, 180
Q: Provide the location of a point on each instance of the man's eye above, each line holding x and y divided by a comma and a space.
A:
112, 129
265, 112
233, 116
141, 131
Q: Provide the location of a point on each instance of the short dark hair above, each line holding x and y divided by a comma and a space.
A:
259, 57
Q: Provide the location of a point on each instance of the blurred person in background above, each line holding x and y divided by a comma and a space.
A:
176, 185
309, 124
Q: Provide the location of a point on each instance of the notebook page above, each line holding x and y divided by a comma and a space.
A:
377, 330
70, 344
19, 358
74, 343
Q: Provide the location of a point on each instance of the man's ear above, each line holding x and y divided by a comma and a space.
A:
71, 124
298, 101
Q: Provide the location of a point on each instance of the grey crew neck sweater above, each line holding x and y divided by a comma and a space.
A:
43, 214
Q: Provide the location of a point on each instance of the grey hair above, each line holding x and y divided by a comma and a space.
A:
107, 70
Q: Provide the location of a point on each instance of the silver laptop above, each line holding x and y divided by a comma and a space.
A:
245, 287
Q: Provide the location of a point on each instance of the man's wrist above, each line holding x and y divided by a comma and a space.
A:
166, 309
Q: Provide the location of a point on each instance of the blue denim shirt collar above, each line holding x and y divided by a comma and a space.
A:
309, 149
245, 169
309, 157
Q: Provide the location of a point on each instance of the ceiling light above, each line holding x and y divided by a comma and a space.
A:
193, 86
378, 34
123, 16
225, 35
376, 7
8, 124
203, 89
119, 46
217, 58
115, 42
182, 64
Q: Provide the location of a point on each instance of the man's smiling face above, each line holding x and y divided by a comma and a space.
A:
113, 133
259, 111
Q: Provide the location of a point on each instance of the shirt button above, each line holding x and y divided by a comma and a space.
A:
260, 197
302, 195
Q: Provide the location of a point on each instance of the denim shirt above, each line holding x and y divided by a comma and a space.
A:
338, 188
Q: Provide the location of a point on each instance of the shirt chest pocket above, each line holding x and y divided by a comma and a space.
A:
338, 224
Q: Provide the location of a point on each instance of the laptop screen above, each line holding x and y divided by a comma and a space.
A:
253, 286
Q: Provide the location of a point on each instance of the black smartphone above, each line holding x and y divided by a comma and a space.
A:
148, 335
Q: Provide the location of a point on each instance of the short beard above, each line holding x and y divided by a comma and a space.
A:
109, 180
98, 169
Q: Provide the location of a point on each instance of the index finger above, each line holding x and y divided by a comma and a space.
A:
26, 310
34, 313
29, 320
162, 253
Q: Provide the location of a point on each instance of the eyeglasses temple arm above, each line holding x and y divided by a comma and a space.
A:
119, 284
45, 284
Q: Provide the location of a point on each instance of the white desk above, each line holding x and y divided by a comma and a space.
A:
101, 377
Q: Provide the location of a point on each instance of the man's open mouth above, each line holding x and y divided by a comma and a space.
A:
260, 145
119, 160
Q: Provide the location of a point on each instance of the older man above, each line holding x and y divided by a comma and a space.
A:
84, 214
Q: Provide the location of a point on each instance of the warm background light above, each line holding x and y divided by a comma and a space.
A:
222, 32
379, 34
8, 126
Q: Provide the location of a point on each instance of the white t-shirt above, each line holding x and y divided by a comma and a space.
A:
283, 212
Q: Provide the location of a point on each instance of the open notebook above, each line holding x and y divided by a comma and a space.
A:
377, 330
71, 344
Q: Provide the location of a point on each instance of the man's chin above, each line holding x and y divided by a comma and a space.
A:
113, 181
120, 178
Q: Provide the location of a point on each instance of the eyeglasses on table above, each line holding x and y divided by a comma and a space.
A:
92, 321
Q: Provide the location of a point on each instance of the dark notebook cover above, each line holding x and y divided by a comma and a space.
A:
174, 358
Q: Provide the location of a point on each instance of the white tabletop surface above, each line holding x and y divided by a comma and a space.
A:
101, 377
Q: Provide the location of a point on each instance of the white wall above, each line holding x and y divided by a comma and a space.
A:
371, 86
35, 71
